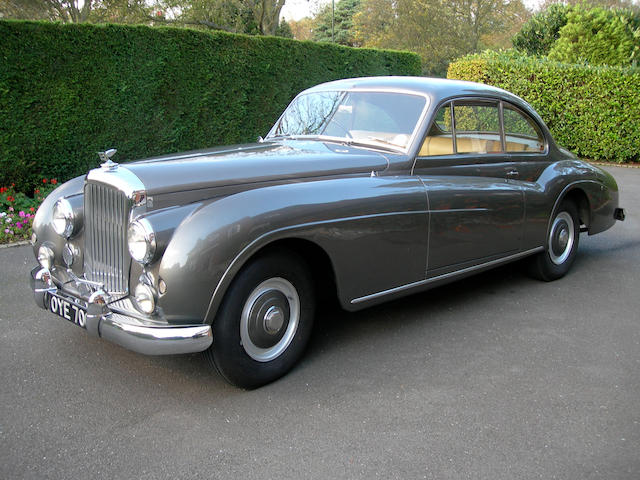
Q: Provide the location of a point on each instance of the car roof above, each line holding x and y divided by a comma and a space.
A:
436, 88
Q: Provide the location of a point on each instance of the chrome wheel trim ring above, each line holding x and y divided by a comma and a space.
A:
561, 238
285, 288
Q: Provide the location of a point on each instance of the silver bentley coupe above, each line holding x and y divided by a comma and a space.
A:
365, 189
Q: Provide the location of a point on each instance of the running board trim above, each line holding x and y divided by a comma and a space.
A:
446, 276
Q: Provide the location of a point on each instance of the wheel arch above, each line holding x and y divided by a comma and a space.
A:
577, 194
315, 257
580, 199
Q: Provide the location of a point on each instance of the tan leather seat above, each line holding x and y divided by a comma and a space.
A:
436, 146
441, 145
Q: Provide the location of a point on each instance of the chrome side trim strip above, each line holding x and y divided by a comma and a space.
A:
446, 276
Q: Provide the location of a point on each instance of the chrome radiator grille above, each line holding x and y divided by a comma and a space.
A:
106, 258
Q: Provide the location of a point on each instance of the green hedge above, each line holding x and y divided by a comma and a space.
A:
593, 111
69, 91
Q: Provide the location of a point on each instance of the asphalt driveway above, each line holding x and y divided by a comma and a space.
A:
494, 377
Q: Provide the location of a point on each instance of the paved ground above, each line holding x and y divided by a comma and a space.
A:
494, 377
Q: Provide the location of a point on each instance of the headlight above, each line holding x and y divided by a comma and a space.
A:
142, 241
63, 218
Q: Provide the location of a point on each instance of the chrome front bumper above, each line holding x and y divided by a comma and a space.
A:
127, 331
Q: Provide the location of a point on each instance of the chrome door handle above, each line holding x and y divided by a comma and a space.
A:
512, 173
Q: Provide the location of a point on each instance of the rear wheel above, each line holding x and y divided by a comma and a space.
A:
561, 245
265, 320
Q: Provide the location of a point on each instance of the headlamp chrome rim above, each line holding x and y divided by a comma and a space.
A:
63, 218
141, 240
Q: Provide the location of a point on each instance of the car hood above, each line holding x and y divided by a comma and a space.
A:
253, 163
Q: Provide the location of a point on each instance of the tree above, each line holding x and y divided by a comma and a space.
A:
284, 30
438, 30
343, 30
302, 29
239, 16
540, 32
599, 36
76, 11
588, 4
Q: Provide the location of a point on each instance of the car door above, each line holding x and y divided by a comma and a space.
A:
475, 213
529, 155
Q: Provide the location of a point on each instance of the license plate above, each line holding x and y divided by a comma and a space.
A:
67, 310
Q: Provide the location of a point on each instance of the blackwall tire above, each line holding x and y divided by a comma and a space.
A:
561, 245
265, 320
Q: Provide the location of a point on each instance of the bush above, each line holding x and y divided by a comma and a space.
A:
17, 210
69, 91
599, 36
539, 33
594, 111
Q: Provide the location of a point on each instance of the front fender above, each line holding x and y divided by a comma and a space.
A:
366, 225
42, 221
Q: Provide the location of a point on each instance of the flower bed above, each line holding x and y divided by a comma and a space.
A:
17, 210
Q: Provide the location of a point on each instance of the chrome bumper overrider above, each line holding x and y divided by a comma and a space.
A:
127, 331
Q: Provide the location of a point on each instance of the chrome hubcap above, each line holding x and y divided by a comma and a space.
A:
273, 320
269, 320
561, 238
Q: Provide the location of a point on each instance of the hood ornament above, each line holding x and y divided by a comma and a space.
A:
105, 156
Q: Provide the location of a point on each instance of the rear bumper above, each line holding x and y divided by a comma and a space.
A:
124, 330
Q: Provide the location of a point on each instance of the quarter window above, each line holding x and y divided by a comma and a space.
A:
521, 132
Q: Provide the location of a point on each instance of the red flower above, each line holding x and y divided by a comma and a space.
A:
32, 209
10, 198
54, 181
36, 190
44, 180
3, 189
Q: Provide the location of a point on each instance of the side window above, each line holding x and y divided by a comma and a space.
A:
522, 134
439, 141
477, 127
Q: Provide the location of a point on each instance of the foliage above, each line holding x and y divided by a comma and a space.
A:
68, 91
261, 17
599, 36
594, 111
540, 32
343, 31
121, 11
284, 30
256, 17
438, 30
302, 29
17, 210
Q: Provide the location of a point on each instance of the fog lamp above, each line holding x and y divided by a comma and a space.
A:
145, 300
69, 254
45, 256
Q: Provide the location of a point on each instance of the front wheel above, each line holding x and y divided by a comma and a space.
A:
264, 321
561, 246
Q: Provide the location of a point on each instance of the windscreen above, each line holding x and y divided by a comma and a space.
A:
368, 117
